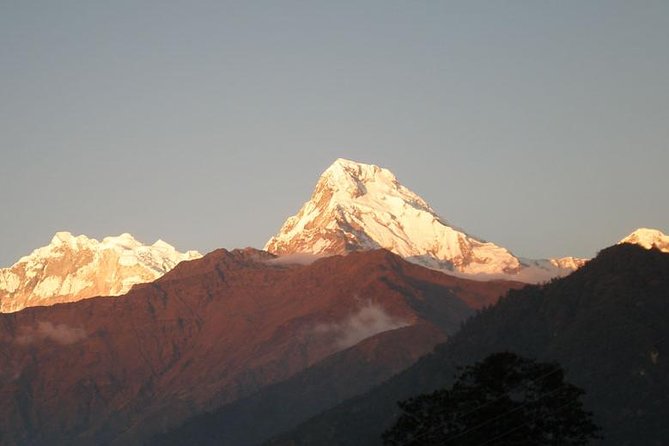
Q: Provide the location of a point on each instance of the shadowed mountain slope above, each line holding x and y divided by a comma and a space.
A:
605, 323
210, 332
284, 405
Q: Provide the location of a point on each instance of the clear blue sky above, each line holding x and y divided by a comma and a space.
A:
540, 126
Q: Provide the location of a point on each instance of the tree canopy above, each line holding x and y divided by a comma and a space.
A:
503, 400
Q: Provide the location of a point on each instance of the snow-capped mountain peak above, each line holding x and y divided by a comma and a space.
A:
358, 206
72, 267
648, 238
348, 180
64, 237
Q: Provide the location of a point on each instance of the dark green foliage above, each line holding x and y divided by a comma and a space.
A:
503, 400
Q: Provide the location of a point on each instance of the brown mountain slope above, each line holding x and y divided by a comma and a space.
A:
282, 406
209, 332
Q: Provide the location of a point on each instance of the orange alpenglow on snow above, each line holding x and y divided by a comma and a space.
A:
73, 268
358, 206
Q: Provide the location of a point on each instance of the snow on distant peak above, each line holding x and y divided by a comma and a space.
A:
66, 238
348, 179
648, 238
345, 172
72, 268
358, 206
124, 241
62, 237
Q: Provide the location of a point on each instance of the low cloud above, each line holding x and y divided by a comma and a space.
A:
367, 321
295, 259
526, 275
60, 333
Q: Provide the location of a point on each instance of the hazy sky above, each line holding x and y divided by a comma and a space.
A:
542, 126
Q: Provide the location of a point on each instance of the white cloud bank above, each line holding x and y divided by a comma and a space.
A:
295, 259
60, 333
367, 321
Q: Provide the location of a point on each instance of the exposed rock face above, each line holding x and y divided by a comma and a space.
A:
74, 268
212, 331
359, 206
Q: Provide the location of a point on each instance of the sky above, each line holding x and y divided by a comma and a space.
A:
540, 126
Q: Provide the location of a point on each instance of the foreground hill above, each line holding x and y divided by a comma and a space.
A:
213, 331
73, 268
605, 323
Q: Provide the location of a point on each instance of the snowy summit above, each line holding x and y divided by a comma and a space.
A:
648, 238
358, 206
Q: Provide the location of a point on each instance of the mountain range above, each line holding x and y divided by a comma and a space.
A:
354, 207
73, 268
366, 296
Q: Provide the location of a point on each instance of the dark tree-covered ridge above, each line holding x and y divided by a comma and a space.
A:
606, 324
503, 400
